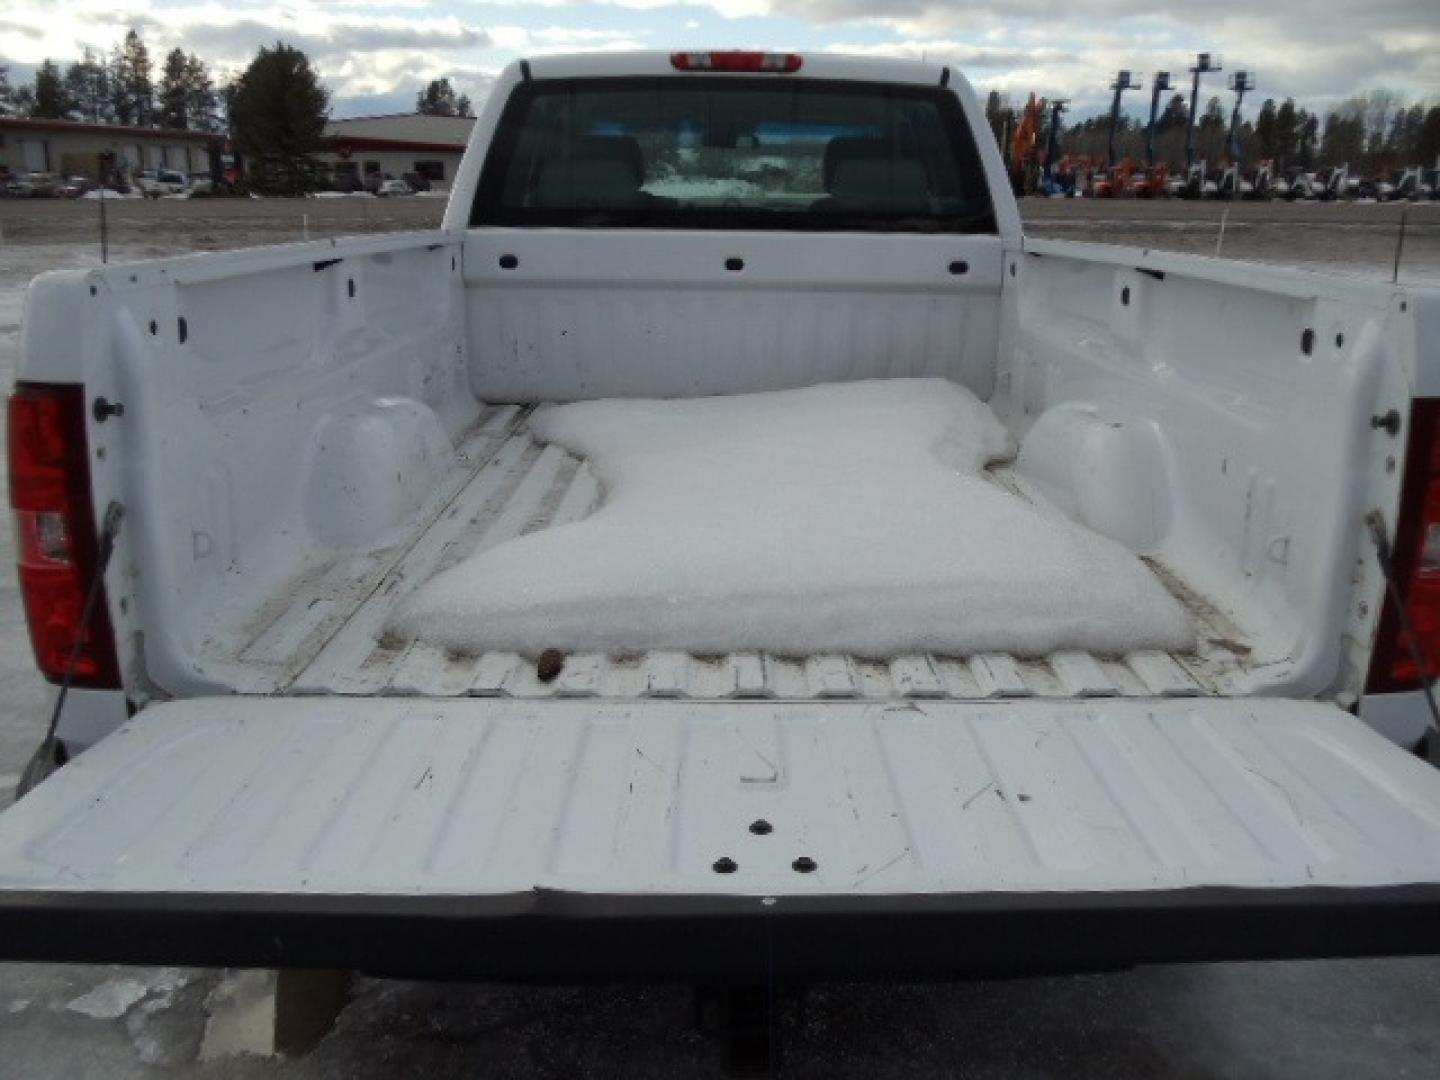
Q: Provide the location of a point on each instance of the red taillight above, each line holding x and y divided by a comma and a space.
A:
1417, 562
736, 60
55, 538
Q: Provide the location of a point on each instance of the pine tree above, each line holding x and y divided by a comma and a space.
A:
50, 100
1287, 133
437, 99
1307, 145
1267, 142
1427, 139
131, 90
87, 81
200, 100
7, 93
1176, 114
462, 106
1210, 132
278, 110
174, 97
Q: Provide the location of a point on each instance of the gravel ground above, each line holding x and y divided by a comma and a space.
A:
1378, 1018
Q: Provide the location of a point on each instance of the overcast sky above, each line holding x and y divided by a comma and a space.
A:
375, 54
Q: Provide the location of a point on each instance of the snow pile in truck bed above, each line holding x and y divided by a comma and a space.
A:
841, 518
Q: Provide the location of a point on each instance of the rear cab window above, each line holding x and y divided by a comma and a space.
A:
733, 152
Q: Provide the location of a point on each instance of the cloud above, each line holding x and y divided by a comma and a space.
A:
359, 47
1319, 51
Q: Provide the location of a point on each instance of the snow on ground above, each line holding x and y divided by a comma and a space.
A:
844, 518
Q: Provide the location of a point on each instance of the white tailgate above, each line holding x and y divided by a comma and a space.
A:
477, 797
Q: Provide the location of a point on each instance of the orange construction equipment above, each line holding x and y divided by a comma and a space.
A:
1151, 183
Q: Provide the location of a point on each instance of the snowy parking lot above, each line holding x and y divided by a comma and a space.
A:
1314, 1019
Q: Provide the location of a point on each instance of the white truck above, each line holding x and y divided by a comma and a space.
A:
230, 471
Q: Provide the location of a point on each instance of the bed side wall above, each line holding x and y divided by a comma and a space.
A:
283, 408
1216, 416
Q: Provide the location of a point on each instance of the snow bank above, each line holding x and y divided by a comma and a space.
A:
840, 518
96, 194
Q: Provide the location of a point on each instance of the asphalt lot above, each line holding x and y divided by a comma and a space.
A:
1349, 238
1377, 1018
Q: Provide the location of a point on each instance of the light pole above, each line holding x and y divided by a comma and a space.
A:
1241, 82
1204, 63
1162, 83
1124, 80
1052, 139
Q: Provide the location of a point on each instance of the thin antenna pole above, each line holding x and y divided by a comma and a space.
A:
1220, 240
1399, 246
104, 229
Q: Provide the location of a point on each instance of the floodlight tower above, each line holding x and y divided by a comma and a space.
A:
1052, 139
1241, 82
1204, 63
1124, 80
1162, 83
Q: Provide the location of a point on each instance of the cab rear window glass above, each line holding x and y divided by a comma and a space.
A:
733, 152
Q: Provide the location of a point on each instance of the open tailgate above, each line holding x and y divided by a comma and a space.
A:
566, 839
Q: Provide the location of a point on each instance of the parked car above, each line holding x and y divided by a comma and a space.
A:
393, 187
34, 185
268, 767
76, 186
154, 184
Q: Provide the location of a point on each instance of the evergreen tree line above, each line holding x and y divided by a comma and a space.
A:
120, 89
276, 109
1374, 133
439, 99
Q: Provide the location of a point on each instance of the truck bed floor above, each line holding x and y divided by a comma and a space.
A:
519, 486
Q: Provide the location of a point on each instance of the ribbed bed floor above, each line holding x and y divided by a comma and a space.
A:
329, 637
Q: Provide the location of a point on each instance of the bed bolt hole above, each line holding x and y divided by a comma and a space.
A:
959, 266
549, 665
1125, 296
804, 865
1390, 464
350, 287
509, 262
1012, 269
182, 328
761, 827
1307, 342
1388, 422
1339, 341
154, 327
94, 291
734, 264
103, 408
725, 865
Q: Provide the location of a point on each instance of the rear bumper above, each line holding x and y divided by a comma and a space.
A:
551, 936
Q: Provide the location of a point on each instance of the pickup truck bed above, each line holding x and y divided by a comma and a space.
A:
325, 633
292, 441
